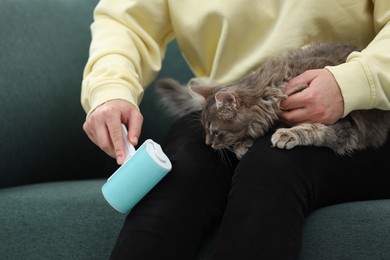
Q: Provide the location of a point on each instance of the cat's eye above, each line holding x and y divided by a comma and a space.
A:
218, 134
214, 132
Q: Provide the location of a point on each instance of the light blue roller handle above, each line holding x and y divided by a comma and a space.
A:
142, 170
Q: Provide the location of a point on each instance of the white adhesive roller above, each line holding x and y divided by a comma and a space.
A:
142, 170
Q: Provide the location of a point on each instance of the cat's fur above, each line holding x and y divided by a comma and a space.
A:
234, 115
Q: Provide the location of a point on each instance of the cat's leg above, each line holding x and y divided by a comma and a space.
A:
241, 148
341, 137
304, 134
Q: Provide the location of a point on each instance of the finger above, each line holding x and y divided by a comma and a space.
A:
303, 79
135, 127
103, 140
295, 83
295, 90
292, 102
89, 132
294, 117
96, 129
116, 137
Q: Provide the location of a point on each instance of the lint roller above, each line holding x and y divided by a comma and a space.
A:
142, 170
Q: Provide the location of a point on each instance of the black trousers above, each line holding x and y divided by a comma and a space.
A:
260, 203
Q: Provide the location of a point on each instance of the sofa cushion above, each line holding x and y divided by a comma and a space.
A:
59, 220
355, 230
71, 220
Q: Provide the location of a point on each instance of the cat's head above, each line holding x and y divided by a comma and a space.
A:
233, 113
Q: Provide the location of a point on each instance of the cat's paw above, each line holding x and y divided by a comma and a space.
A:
240, 153
241, 148
284, 138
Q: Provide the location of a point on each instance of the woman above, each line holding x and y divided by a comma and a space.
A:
260, 202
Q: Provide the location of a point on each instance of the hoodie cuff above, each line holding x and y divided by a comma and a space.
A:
355, 85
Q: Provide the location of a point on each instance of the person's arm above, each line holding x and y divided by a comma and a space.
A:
128, 43
363, 82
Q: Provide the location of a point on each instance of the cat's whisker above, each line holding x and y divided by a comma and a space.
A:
220, 156
223, 156
229, 148
225, 151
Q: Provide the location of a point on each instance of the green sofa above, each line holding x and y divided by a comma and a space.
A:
51, 206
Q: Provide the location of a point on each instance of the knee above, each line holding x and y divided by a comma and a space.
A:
266, 166
270, 174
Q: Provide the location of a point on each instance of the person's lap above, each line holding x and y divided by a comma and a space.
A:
262, 201
273, 190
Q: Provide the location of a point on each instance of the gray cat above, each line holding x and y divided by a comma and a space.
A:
234, 115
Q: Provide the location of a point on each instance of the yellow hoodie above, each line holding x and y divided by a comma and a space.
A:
226, 39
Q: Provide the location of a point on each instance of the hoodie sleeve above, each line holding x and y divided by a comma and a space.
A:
129, 39
364, 79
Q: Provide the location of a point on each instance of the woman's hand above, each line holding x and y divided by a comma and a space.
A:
103, 127
320, 102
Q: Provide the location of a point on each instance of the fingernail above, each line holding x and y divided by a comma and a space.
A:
134, 140
119, 160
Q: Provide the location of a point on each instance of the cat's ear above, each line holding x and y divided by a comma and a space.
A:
202, 91
225, 100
